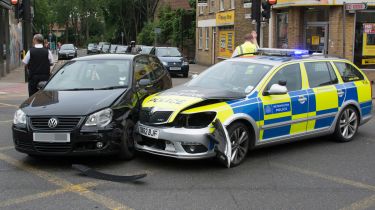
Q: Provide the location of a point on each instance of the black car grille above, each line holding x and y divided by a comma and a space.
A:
52, 147
174, 64
64, 123
148, 117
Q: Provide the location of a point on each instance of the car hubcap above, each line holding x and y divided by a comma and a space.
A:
348, 123
239, 139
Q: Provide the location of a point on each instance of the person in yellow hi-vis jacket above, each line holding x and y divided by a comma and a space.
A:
247, 47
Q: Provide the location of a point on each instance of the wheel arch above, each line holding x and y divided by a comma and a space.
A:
346, 104
248, 121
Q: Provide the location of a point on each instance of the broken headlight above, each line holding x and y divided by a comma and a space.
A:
196, 120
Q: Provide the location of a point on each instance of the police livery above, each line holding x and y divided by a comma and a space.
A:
251, 101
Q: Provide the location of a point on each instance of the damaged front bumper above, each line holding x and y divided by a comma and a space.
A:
183, 143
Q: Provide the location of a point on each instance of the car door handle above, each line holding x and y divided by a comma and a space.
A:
302, 99
340, 93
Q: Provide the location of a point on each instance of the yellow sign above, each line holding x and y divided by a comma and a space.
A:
226, 47
315, 40
369, 61
225, 18
368, 47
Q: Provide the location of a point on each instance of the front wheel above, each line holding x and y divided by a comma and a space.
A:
240, 139
346, 125
127, 150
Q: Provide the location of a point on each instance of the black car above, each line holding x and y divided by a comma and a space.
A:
92, 48
121, 49
67, 51
172, 59
89, 106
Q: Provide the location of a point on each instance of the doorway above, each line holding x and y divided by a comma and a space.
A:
316, 37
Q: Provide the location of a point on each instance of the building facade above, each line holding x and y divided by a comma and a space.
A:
221, 26
323, 27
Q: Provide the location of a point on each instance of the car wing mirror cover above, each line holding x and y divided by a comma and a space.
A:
223, 146
144, 82
276, 89
41, 85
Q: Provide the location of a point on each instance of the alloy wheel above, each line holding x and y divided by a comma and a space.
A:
348, 123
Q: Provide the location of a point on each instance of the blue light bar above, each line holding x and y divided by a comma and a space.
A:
283, 52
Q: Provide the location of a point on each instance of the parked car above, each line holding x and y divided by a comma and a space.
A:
145, 49
253, 101
100, 46
112, 49
121, 49
172, 59
89, 106
105, 48
67, 51
92, 48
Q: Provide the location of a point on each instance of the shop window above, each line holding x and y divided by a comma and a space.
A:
320, 74
221, 5
232, 2
212, 5
282, 30
200, 31
370, 39
201, 10
207, 38
348, 72
230, 42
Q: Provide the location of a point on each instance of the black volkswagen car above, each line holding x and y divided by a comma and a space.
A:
172, 59
67, 51
89, 106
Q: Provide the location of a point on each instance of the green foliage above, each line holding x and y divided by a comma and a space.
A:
147, 35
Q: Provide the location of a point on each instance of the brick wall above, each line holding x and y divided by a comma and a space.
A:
295, 28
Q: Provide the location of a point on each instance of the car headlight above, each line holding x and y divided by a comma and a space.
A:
185, 63
165, 63
19, 117
196, 120
100, 119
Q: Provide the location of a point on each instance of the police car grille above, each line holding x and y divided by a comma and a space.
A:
146, 117
172, 64
64, 123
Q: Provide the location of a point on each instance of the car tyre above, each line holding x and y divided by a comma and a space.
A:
127, 150
240, 137
185, 75
346, 125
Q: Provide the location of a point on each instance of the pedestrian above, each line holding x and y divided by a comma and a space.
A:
254, 40
38, 61
248, 47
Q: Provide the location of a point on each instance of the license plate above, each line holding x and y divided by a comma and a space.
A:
51, 137
175, 68
149, 132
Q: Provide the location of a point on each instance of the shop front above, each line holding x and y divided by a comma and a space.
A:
226, 34
364, 45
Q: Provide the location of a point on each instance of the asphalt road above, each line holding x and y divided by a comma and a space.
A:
309, 174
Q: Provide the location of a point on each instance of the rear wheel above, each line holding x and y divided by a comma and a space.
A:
240, 139
346, 125
127, 150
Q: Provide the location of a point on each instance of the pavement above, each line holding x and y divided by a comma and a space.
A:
307, 174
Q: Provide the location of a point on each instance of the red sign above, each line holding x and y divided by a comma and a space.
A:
356, 6
14, 2
272, 2
369, 28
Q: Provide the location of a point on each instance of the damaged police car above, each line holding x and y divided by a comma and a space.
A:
253, 101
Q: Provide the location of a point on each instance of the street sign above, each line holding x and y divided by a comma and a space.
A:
355, 6
122, 33
157, 30
202, 3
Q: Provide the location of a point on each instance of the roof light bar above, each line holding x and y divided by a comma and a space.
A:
283, 52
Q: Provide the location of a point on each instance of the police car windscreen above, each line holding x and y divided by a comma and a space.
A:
93, 74
232, 76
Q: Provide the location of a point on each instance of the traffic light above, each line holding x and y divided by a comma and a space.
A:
266, 6
255, 10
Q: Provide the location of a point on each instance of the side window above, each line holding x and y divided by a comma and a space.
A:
157, 67
320, 74
348, 72
291, 74
142, 69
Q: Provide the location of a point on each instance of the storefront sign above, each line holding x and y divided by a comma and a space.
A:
226, 47
225, 18
369, 61
247, 5
369, 28
315, 40
355, 6
202, 3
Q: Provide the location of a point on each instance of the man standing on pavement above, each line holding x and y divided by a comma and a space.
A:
247, 47
38, 60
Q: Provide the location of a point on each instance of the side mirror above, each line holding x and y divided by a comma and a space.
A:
194, 76
144, 82
41, 85
276, 89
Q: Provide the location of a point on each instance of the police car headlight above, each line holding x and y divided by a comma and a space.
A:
165, 63
19, 117
100, 119
196, 120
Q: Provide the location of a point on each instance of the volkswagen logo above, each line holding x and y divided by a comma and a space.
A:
52, 123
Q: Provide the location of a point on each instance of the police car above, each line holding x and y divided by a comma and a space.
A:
252, 101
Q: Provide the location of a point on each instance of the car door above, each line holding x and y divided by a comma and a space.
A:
323, 95
285, 114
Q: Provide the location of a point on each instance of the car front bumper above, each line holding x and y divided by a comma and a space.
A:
81, 143
177, 142
182, 70
66, 56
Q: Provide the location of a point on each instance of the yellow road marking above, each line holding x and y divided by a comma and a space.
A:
46, 194
6, 148
9, 105
365, 203
105, 201
324, 176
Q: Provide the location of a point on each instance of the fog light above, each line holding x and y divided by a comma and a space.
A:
99, 145
194, 147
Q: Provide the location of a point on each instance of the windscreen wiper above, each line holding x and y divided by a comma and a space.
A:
77, 89
111, 88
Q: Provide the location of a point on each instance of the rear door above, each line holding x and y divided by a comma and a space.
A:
285, 114
323, 94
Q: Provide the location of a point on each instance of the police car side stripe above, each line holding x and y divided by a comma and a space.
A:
321, 112
277, 120
365, 104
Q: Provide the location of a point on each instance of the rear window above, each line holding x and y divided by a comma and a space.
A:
348, 72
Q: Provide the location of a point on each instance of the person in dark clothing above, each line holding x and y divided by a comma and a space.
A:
38, 60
